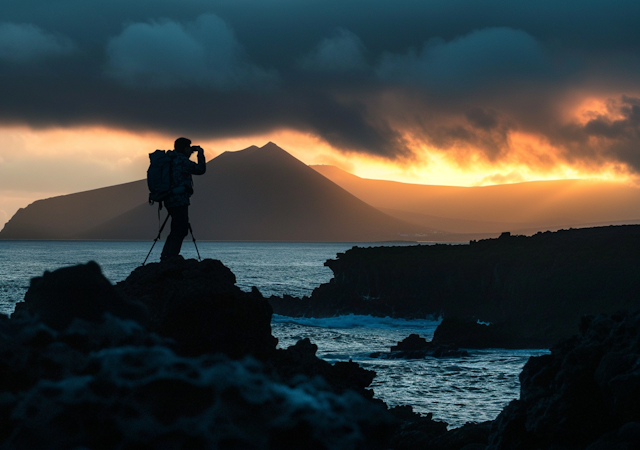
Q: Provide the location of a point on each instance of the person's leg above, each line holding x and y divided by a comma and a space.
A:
179, 229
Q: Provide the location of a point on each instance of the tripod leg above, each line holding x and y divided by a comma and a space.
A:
157, 237
154, 244
194, 242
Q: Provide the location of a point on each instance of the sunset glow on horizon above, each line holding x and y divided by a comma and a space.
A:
111, 156
428, 93
40, 163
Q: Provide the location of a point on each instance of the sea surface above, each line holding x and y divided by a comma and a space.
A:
455, 390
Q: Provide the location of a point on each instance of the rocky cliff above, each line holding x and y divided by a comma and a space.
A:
176, 356
84, 364
534, 289
584, 395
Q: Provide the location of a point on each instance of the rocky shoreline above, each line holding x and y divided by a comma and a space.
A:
176, 356
533, 290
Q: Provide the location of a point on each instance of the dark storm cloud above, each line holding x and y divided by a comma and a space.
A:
168, 54
480, 129
470, 62
343, 52
616, 133
24, 43
353, 72
479, 118
626, 128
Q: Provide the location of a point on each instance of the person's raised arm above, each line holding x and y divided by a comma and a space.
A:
201, 166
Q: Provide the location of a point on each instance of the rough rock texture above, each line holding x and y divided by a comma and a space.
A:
471, 436
199, 305
80, 291
584, 395
300, 359
106, 380
423, 433
132, 391
535, 288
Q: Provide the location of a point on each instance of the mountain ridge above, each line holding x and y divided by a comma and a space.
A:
264, 194
258, 193
520, 207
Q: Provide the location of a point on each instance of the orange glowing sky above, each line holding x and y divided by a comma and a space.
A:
40, 163
465, 94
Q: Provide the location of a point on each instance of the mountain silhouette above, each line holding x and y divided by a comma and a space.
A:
65, 216
252, 194
521, 207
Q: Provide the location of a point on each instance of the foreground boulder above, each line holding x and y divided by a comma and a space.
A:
199, 305
584, 395
77, 292
301, 359
106, 380
113, 378
56, 395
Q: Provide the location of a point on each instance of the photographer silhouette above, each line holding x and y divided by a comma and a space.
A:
177, 203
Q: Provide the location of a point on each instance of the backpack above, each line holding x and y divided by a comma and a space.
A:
160, 176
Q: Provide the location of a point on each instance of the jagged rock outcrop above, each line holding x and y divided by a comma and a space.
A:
105, 380
452, 334
199, 305
115, 376
416, 347
423, 433
131, 391
534, 289
77, 292
468, 333
584, 395
300, 359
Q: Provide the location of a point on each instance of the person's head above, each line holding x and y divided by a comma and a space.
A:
183, 145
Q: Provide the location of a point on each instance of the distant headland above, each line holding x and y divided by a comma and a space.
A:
532, 289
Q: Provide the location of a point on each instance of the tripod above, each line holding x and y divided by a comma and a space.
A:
158, 237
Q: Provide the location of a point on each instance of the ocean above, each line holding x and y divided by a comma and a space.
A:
455, 390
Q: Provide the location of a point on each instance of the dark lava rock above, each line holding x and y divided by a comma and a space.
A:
415, 431
465, 333
102, 380
416, 347
410, 343
471, 436
31, 352
108, 378
199, 305
468, 333
585, 394
81, 292
300, 359
534, 289
290, 306
152, 398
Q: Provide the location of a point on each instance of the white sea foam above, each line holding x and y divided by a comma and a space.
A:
359, 321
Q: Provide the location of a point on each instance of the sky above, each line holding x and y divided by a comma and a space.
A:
455, 92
